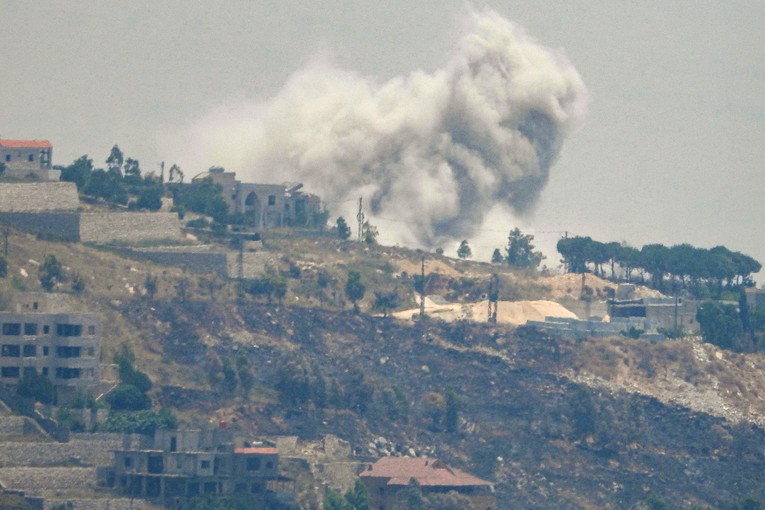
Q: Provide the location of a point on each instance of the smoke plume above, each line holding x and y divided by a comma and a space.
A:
432, 152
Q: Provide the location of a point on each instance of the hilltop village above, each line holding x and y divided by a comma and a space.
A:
214, 343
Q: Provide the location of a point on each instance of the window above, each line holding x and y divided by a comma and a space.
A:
253, 464
46, 330
91, 330
68, 329
91, 352
45, 350
28, 371
9, 372
128, 462
30, 351
30, 329
10, 351
35, 305
67, 373
65, 351
271, 199
31, 158
12, 328
7, 158
269, 465
45, 371
205, 464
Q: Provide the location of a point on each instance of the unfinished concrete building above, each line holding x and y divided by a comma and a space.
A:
64, 346
265, 205
25, 159
188, 463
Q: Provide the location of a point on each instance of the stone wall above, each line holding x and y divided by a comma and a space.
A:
38, 196
196, 261
63, 226
50, 481
128, 227
97, 504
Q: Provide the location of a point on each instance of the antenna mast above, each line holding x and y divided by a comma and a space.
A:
360, 217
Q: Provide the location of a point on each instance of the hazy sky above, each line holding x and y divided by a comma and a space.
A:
671, 149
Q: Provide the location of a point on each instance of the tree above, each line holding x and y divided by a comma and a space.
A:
51, 273
354, 289
720, 325
334, 501
496, 257
175, 174
150, 198
464, 251
201, 196
115, 159
520, 251
369, 233
385, 301
343, 230
150, 285
358, 496
36, 386
78, 283
452, 413
127, 397
78, 172
132, 172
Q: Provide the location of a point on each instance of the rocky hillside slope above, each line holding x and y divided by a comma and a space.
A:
555, 423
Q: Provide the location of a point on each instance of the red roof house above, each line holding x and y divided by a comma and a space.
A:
25, 158
388, 477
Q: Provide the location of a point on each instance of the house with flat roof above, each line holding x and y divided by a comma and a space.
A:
388, 478
64, 346
265, 205
25, 159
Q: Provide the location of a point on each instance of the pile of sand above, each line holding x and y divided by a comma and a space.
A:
508, 312
569, 285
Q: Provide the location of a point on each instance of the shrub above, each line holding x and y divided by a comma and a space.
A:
127, 397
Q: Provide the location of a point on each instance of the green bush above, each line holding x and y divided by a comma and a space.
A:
139, 422
127, 397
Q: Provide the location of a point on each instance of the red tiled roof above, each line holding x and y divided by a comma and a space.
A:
260, 450
427, 472
25, 144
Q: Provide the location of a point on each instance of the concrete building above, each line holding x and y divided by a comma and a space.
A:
187, 463
387, 478
64, 346
266, 205
28, 159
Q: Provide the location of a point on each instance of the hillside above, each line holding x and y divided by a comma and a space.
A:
602, 423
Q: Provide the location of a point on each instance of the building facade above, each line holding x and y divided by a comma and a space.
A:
387, 480
265, 205
65, 347
28, 158
188, 463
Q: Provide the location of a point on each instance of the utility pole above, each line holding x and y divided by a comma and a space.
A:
360, 217
422, 289
493, 298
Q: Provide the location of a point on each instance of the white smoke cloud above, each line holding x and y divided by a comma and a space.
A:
431, 152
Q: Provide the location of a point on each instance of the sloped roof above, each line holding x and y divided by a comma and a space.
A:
25, 144
427, 472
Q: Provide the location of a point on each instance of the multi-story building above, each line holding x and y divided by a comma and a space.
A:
387, 480
64, 346
187, 463
266, 205
28, 158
